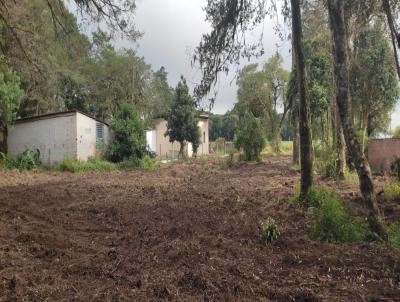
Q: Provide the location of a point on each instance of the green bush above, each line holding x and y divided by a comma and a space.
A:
329, 220
93, 164
269, 229
147, 163
27, 160
250, 138
392, 191
129, 135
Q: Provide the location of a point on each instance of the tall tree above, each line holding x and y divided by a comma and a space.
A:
306, 157
182, 118
341, 68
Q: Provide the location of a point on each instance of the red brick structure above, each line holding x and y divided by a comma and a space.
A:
382, 153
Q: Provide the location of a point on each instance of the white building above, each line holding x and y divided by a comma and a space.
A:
59, 136
160, 144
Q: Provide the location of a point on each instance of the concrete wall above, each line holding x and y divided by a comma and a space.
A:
382, 152
87, 144
165, 148
55, 137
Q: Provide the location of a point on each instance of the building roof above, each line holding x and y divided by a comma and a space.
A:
55, 115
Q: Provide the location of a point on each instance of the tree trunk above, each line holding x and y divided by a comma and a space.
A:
306, 156
3, 143
182, 150
296, 134
393, 33
340, 145
341, 70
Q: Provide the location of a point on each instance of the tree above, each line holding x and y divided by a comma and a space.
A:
129, 141
263, 92
374, 82
181, 119
336, 11
162, 95
10, 98
306, 157
249, 137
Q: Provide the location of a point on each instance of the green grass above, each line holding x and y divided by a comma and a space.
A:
328, 219
93, 164
27, 160
392, 191
285, 146
394, 234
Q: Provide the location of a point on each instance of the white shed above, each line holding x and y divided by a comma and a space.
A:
59, 136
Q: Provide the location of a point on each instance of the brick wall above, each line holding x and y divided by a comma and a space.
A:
382, 152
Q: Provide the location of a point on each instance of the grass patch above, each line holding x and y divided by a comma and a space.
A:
391, 191
328, 219
394, 234
351, 176
269, 229
93, 164
286, 147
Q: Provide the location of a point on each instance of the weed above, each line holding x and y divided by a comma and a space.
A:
392, 191
27, 160
351, 176
269, 229
93, 164
147, 163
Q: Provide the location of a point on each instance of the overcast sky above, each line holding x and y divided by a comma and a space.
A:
173, 28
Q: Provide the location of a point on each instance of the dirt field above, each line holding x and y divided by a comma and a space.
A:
185, 232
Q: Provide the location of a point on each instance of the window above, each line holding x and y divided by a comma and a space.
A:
99, 135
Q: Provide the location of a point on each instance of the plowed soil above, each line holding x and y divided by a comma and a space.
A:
185, 232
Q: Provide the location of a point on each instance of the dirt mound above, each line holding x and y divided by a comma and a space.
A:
186, 232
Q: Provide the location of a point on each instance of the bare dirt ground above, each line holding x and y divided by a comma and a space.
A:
185, 232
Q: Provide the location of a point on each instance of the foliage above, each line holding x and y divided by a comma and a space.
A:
129, 135
27, 160
249, 137
269, 229
182, 118
263, 93
392, 190
373, 77
395, 168
330, 222
10, 98
93, 164
147, 163
223, 126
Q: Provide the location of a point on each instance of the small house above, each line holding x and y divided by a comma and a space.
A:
160, 144
58, 136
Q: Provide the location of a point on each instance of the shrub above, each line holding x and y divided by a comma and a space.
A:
147, 163
92, 164
269, 229
250, 138
27, 160
329, 220
129, 135
392, 191
395, 168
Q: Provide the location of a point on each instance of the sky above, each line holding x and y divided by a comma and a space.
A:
173, 28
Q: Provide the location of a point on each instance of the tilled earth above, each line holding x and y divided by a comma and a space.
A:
185, 232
